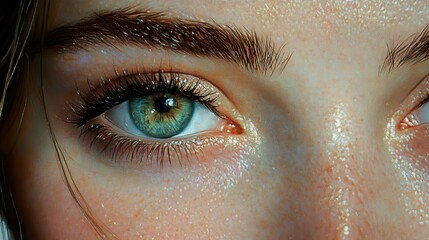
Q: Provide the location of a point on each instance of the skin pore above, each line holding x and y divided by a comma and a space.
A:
318, 153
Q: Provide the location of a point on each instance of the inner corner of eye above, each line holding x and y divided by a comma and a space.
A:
416, 118
408, 122
231, 127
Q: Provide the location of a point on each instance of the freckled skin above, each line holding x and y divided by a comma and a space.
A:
319, 157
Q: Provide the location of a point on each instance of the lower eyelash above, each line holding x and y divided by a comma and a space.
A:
124, 149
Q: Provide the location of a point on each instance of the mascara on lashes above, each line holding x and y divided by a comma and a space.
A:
133, 85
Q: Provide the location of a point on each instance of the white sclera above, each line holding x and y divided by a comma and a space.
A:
202, 120
422, 113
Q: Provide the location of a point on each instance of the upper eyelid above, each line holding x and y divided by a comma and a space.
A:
143, 83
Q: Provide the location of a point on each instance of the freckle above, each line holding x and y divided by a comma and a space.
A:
138, 213
328, 169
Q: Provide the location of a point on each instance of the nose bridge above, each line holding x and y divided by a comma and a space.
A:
327, 148
342, 191
337, 161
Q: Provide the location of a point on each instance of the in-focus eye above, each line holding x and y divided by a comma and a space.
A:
149, 115
163, 115
417, 117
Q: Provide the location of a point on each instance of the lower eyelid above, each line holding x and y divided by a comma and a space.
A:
412, 145
145, 155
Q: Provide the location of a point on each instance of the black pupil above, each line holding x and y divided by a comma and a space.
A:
164, 104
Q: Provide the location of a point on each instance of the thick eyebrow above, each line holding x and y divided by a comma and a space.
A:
413, 50
153, 29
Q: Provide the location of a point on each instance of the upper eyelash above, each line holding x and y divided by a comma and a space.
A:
423, 102
132, 85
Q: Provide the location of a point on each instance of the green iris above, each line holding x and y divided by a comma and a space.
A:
161, 115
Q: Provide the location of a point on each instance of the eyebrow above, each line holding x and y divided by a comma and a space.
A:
147, 28
413, 50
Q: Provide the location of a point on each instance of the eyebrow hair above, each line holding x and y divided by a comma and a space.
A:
147, 28
413, 50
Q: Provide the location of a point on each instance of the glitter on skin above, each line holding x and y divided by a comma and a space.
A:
340, 154
167, 212
330, 15
410, 168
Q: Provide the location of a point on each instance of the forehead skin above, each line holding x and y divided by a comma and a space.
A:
328, 17
303, 27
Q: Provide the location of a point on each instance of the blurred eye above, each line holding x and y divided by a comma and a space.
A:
422, 113
163, 115
419, 116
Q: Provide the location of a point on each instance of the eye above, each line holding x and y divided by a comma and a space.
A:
418, 116
410, 140
163, 115
154, 116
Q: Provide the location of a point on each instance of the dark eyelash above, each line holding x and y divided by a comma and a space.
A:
123, 147
112, 92
424, 102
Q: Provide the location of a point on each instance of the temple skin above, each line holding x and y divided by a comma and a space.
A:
320, 156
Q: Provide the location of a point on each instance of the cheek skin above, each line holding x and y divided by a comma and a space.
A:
409, 152
317, 170
171, 202
303, 183
193, 203
336, 165
43, 202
